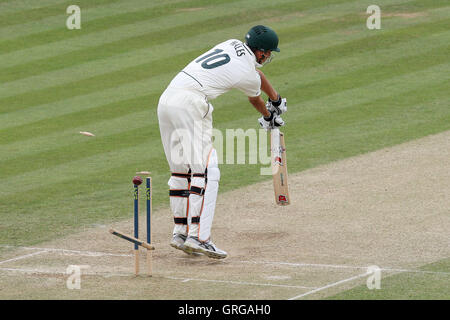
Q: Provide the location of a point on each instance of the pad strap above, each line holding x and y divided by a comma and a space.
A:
182, 175
179, 220
197, 190
184, 193
202, 175
199, 175
195, 220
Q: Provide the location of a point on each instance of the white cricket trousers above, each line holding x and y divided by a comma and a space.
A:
185, 122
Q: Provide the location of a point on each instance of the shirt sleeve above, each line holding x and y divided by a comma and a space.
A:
250, 84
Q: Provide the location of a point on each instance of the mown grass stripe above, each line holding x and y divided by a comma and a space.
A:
372, 74
385, 126
79, 118
65, 154
147, 40
415, 6
24, 56
348, 128
375, 111
78, 201
67, 44
338, 119
101, 24
372, 134
340, 22
217, 110
353, 81
46, 142
114, 63
95, 153
372, 91
57, 22
125, 60
65, 91
362, 76
101, 127
9, 6
93, 84
82, 103
307, 128
370, 43
34, 14
301, 108
126, 106
120, 33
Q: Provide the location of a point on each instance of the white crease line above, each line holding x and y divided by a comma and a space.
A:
34, 271
332, 266
105, 274
75, 252
239, 282
317, 265
416, 271
23, 257
329, 286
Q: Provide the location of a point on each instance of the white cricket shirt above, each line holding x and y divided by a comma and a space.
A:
230, 64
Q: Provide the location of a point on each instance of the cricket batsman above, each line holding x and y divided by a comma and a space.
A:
185, 122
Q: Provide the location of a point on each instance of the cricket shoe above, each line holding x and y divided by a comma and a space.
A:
178, 242
208, 248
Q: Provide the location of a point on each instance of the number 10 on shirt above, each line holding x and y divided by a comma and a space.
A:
214, 59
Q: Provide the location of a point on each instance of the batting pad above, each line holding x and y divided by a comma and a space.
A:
178, 203
203, 206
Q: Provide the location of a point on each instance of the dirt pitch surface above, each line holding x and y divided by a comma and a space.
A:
389, 208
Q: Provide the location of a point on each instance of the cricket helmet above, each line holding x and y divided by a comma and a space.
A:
262, 38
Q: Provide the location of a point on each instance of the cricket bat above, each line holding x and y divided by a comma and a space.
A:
279, 167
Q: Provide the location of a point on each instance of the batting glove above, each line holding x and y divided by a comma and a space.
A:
273, 121
279, 106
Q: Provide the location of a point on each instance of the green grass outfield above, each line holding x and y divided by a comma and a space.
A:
426, 283
350, 90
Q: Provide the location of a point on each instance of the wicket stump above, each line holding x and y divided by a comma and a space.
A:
136, 228
149, 224
135, 240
